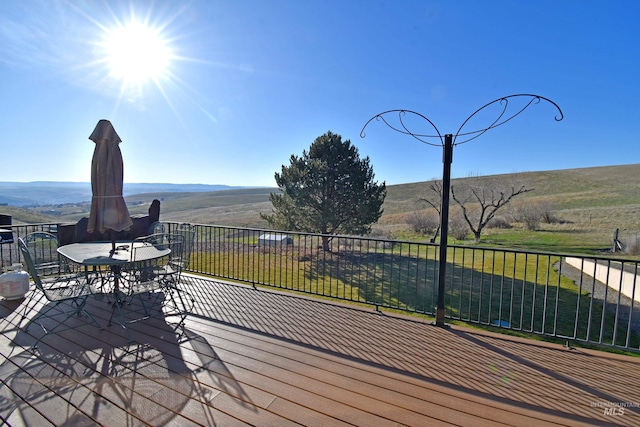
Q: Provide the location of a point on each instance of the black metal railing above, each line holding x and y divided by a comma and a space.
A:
9, 252
557, 295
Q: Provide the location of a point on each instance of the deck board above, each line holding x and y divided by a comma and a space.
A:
259, 357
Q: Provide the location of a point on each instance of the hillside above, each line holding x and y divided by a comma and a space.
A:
590, 202
568, 188
230, 207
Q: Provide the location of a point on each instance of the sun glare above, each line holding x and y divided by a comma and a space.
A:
136, 54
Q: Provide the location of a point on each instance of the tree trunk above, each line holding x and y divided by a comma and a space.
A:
435, 235
325, 243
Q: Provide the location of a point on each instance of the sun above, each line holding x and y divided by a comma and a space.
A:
137, 53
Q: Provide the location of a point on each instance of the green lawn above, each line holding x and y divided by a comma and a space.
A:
483, 286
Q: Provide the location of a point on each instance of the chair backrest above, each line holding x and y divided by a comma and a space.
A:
146, 262
156, 227
145, 247
43, 248
26, 256
152, 243
176, 243
188, 232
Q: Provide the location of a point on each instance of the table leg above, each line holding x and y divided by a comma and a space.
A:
119, 299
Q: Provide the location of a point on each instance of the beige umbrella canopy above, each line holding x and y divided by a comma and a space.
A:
108, 209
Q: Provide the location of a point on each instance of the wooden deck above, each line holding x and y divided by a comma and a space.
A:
256, 357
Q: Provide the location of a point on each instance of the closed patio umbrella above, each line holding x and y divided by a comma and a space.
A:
108, 209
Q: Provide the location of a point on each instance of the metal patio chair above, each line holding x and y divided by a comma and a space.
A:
180, 261
48, 262
154, 279
43, 247
66, 290
188, 233
157, 228
181, 244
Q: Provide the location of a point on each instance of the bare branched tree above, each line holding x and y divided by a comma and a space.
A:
481, 198
434, 200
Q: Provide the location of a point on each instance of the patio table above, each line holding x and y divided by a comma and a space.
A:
100, 254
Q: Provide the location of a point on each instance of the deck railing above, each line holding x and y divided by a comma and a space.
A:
557, 295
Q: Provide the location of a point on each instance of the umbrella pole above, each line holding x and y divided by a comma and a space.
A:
113, 242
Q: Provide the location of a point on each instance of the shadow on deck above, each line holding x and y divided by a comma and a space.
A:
258, 357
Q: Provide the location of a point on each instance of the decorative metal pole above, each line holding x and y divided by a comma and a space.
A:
447, 143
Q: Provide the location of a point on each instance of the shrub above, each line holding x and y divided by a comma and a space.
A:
499, 222
458, 227
423, 222
532, 213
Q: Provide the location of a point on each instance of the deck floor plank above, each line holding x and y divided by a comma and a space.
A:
348, 377
249, 356
300, 370
494, 366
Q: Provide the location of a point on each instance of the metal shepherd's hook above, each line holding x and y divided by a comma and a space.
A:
447, 142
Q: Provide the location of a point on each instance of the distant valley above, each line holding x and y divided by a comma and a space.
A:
45, 193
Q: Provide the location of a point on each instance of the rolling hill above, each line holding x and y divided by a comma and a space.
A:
592, 203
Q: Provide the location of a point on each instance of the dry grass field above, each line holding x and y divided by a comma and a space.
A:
589, 205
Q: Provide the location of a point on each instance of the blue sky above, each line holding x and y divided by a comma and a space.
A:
246, 83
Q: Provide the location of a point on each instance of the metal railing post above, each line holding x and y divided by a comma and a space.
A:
447, 159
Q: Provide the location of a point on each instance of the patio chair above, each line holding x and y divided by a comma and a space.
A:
157, 228
61, 290
49, 263
183, 242
154, 278
181, 245
43, 247
188, 232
